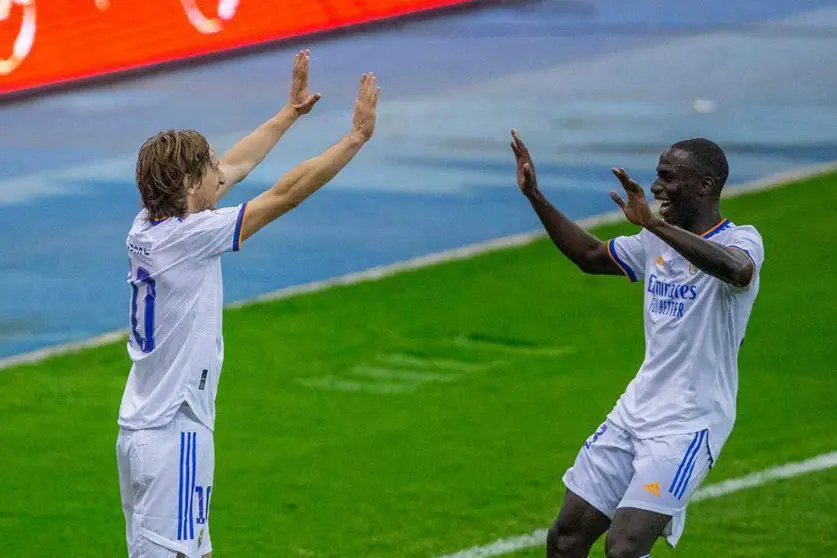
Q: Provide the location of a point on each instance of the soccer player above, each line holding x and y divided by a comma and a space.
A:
634, 476
165, 448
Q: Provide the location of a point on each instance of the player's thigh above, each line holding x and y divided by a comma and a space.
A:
191, 499
595, 483
175, 477
577, 527
667, 472
603, 469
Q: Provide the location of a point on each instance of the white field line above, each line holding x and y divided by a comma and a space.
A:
787, 471
414, 376
463, 253
435, 363
334, 383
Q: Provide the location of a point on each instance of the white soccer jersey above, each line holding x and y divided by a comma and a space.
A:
694, 328
175, 338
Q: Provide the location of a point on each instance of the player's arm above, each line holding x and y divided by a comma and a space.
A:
729, 264
302, 181
583, 249
244, 156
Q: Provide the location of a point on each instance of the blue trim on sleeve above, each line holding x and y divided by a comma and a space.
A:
626, 269
238, 223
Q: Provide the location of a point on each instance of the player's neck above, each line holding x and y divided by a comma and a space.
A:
192, 206
704, 222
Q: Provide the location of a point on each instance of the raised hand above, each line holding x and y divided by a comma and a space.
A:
365, 116
301, 100
527, 180
636, 209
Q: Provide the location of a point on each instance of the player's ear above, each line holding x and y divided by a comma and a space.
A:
189, 184
707, 186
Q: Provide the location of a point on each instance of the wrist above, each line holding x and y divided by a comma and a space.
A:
355, 138
654, 224
534, 195
287, 114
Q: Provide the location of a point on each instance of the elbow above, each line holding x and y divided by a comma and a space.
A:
585, 266
742, 276
587, 263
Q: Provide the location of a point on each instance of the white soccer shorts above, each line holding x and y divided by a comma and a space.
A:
165, 480
615, 470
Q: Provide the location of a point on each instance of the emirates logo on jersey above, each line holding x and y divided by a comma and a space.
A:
669, 299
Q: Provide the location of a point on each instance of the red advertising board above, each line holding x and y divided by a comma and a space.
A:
44, 42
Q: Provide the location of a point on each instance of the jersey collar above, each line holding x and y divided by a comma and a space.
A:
725, 223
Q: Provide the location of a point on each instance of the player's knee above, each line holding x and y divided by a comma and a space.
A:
622, 545
562, 542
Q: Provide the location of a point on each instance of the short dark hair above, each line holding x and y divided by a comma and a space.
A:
164, 161
709, 159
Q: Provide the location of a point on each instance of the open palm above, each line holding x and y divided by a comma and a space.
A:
636, 209
301, 100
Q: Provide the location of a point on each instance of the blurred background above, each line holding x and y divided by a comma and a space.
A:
432, 411
589, 85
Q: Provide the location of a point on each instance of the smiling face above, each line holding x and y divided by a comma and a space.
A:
690, 176
677, 187
684, 188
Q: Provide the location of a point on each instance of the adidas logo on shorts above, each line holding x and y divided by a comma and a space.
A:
653, 488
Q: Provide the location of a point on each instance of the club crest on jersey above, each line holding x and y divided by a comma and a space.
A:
661, 263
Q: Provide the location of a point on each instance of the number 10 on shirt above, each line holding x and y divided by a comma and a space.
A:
144, 281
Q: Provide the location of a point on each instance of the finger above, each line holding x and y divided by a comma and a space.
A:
524, 151
370, 94
628, 183
371, 86
623, 179
615, 197
309, 103
514, 150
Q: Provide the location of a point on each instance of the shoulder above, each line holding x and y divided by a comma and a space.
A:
648, 238
140, 221
208, 217
746, 232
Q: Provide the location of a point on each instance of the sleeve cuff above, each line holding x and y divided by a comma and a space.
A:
238, 223
626, 269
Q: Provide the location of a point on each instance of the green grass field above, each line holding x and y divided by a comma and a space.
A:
437, 409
